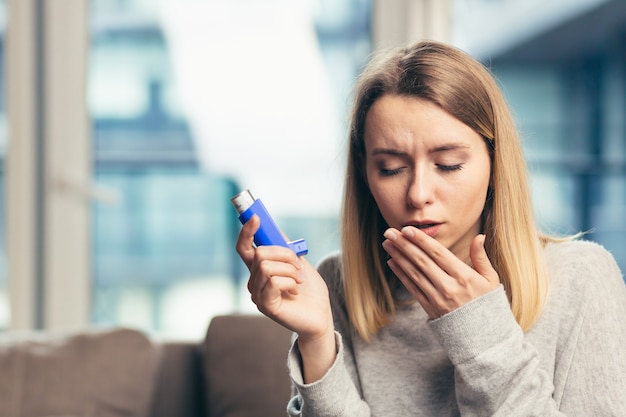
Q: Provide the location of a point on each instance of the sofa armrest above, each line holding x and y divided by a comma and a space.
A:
245, 367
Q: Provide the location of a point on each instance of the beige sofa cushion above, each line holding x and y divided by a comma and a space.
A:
245, 367
94, 373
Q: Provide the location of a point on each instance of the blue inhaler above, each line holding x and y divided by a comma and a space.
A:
268, 233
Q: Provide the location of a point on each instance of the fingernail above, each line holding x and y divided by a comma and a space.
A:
408, 231
388, 246
390, 234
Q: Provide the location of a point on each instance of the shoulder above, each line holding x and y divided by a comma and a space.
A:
583, 264
330, 263
589, 256
330, 269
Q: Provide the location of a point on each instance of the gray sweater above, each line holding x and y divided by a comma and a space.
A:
476, 361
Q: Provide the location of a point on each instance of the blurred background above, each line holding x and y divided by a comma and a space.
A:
127, 125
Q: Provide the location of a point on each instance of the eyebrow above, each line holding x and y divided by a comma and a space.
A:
388, 151
449, 147
437, 149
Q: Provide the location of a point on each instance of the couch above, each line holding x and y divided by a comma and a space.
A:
238, 370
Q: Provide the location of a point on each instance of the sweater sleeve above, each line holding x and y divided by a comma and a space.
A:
333, 395
498, 371
337, 393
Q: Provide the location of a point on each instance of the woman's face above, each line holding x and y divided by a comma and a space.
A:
426, 169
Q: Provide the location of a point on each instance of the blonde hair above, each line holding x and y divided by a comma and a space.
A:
464, 88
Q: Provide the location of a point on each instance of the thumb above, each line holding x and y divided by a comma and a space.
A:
244, 242
481, 261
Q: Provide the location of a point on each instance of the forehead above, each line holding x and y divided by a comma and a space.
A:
410, 122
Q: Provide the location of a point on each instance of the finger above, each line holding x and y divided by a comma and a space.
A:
245, 240
404, 265
275, 290
280, 264
453, 282
274, 293
413, 289
480, 260
439, 263
414, 260
433, 250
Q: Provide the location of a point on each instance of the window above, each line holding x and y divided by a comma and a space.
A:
192, 101
566, 88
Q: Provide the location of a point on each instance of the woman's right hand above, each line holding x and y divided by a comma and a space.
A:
290, 291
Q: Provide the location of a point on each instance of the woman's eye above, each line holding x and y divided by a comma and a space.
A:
455, 167
384, 172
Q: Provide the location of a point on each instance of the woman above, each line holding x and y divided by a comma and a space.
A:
445, 299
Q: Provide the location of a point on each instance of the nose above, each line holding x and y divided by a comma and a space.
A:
420, 190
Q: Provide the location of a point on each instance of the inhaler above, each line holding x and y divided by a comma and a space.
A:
268, 233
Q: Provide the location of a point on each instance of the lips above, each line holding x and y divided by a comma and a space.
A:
425, 225
428, 227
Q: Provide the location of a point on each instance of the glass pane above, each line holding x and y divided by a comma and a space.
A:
608, 215
554, 201
192, 101
167, 241
569, 102
4, 298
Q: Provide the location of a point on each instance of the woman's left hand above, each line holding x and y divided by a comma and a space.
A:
433, 275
